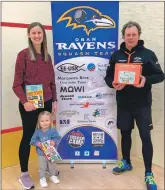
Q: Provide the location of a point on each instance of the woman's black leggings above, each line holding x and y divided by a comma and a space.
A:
147, 148
29, 121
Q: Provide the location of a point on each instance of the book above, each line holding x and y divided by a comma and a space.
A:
127, 73
50, 152
34, 94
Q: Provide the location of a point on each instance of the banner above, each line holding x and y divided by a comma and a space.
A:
85, 34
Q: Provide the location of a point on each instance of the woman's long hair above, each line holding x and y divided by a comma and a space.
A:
44, 49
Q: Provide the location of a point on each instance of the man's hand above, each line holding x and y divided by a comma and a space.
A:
142, 82
118, 86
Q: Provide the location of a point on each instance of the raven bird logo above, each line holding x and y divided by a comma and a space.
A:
87, 17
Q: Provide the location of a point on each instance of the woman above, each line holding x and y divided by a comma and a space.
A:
33, 67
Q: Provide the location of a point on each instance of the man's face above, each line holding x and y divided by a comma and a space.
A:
131, 37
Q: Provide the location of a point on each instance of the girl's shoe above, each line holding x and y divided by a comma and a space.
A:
54, 179
43, 182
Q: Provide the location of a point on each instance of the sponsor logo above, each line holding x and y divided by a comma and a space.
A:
87, 18
96, 153
100, 112
104, 95
97, 81
110, 123
84, 97
87, 119
72, 89
91, 67
137, 59
86, 104
66, 97
67, 78
76, 139
86, 153
72, 78
77, 153
69, 113
102, 67
86, 116
64, 121
99, 95
81, 80
68, 82
70, 68
122, 60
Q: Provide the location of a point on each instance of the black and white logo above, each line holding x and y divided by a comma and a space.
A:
66, 97
70, 68
98, 138
69, 113
110, 123
64, 121
72, 89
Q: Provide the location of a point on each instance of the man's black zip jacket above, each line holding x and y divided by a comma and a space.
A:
151, 70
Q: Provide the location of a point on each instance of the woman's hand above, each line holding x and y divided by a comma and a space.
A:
54, 107
29, 106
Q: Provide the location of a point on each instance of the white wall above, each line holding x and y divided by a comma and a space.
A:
13, 41
150, 15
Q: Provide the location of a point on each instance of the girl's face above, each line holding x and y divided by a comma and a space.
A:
36, 35
45, 121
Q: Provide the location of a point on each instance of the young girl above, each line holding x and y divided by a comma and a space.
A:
43, 133
33, 66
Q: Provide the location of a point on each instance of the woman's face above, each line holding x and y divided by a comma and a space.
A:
36, 35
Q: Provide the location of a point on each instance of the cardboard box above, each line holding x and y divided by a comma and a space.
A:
127, 73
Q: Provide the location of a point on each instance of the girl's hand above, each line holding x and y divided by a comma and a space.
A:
39, 145
52, 143
28, 106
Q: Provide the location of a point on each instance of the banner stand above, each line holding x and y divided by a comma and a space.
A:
85, 34
71, 164
103, 164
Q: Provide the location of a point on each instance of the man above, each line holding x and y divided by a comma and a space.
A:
134, 102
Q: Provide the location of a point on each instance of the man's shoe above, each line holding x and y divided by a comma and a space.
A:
150, 181
122, 166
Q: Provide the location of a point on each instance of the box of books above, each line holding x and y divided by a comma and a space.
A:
127, 73
50, 152
34, 94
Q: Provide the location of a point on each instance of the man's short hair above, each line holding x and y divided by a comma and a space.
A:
131, 24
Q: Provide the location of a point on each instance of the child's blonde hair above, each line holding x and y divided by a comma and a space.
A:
39, 118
